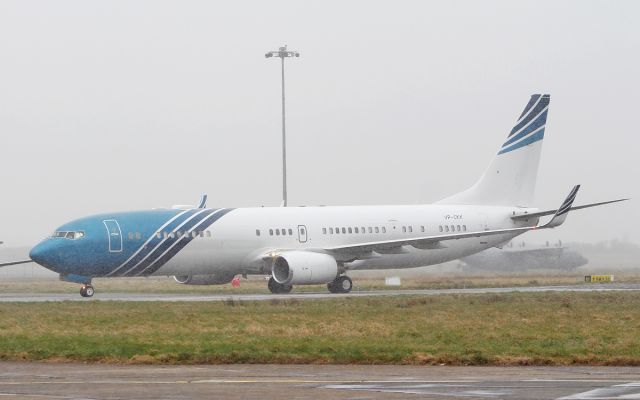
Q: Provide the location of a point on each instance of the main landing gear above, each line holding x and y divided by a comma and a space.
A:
87, 291
278, 288
341, 284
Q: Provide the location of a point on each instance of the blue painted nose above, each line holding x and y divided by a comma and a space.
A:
42, 254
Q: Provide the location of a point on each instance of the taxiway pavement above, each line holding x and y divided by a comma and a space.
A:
100, 381
74, 296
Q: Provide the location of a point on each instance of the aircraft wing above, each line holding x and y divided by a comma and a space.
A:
15, 263
360, 250
551, 212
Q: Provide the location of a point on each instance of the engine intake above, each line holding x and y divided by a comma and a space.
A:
304, 268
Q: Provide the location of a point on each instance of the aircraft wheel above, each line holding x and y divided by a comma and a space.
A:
278, 288
342, 284
87, 291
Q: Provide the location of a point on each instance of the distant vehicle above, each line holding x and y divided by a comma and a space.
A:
313, 245
513, 258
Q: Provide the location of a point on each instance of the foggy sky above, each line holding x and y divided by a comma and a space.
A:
124, 105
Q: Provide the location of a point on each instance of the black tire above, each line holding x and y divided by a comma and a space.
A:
89, 291
83, 292
342, 284
278, 288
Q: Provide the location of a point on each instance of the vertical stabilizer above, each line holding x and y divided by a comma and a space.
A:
510, 179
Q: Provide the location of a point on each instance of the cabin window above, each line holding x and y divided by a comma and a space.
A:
194, 234
453, 228
350, 230
159, 235
464, 228
130, 235
458, 228
324, 231
270, 232
337, 231
331, 231
290, 231
277, 232
411, 229
257, 232
362, 229
404, 229
440, 228
422, 228
384, 230
356, 229
344, 230
208, 233
138, 235
377, 230
370, 230
446, 228
302, 231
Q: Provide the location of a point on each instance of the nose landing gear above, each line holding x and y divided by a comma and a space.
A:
87, 291
341, 284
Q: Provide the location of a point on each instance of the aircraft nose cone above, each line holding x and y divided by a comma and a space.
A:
41, 254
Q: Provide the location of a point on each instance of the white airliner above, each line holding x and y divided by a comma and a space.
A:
312, 245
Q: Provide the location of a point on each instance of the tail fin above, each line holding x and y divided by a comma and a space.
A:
510, 179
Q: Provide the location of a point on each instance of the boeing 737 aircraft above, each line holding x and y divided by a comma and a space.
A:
312, 245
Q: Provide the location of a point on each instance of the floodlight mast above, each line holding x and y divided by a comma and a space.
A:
283, 53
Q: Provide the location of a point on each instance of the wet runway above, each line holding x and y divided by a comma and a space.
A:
74, 296
82, 381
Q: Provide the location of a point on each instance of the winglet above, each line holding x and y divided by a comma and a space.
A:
563, 211
203, 201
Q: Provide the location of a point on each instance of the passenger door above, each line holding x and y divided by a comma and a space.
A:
115, 235
302, 233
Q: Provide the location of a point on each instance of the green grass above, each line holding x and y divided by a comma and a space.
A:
535, 328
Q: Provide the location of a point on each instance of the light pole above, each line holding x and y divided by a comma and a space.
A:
283, 53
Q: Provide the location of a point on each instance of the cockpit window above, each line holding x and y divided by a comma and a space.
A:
71, 235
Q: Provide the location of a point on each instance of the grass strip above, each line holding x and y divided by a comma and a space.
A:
492, 329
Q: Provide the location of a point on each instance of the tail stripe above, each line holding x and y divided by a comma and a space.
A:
537, 135
534, 99
542, 104
537, 123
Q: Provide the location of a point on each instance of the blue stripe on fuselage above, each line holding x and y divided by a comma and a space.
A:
166, 242
151, 240
182, 242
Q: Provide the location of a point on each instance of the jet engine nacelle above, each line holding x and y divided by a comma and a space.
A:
213, 279
304, 268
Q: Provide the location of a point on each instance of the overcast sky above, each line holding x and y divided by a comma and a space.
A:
124, 105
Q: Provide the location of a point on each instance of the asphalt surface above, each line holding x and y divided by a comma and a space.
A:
75, 296
99, 381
